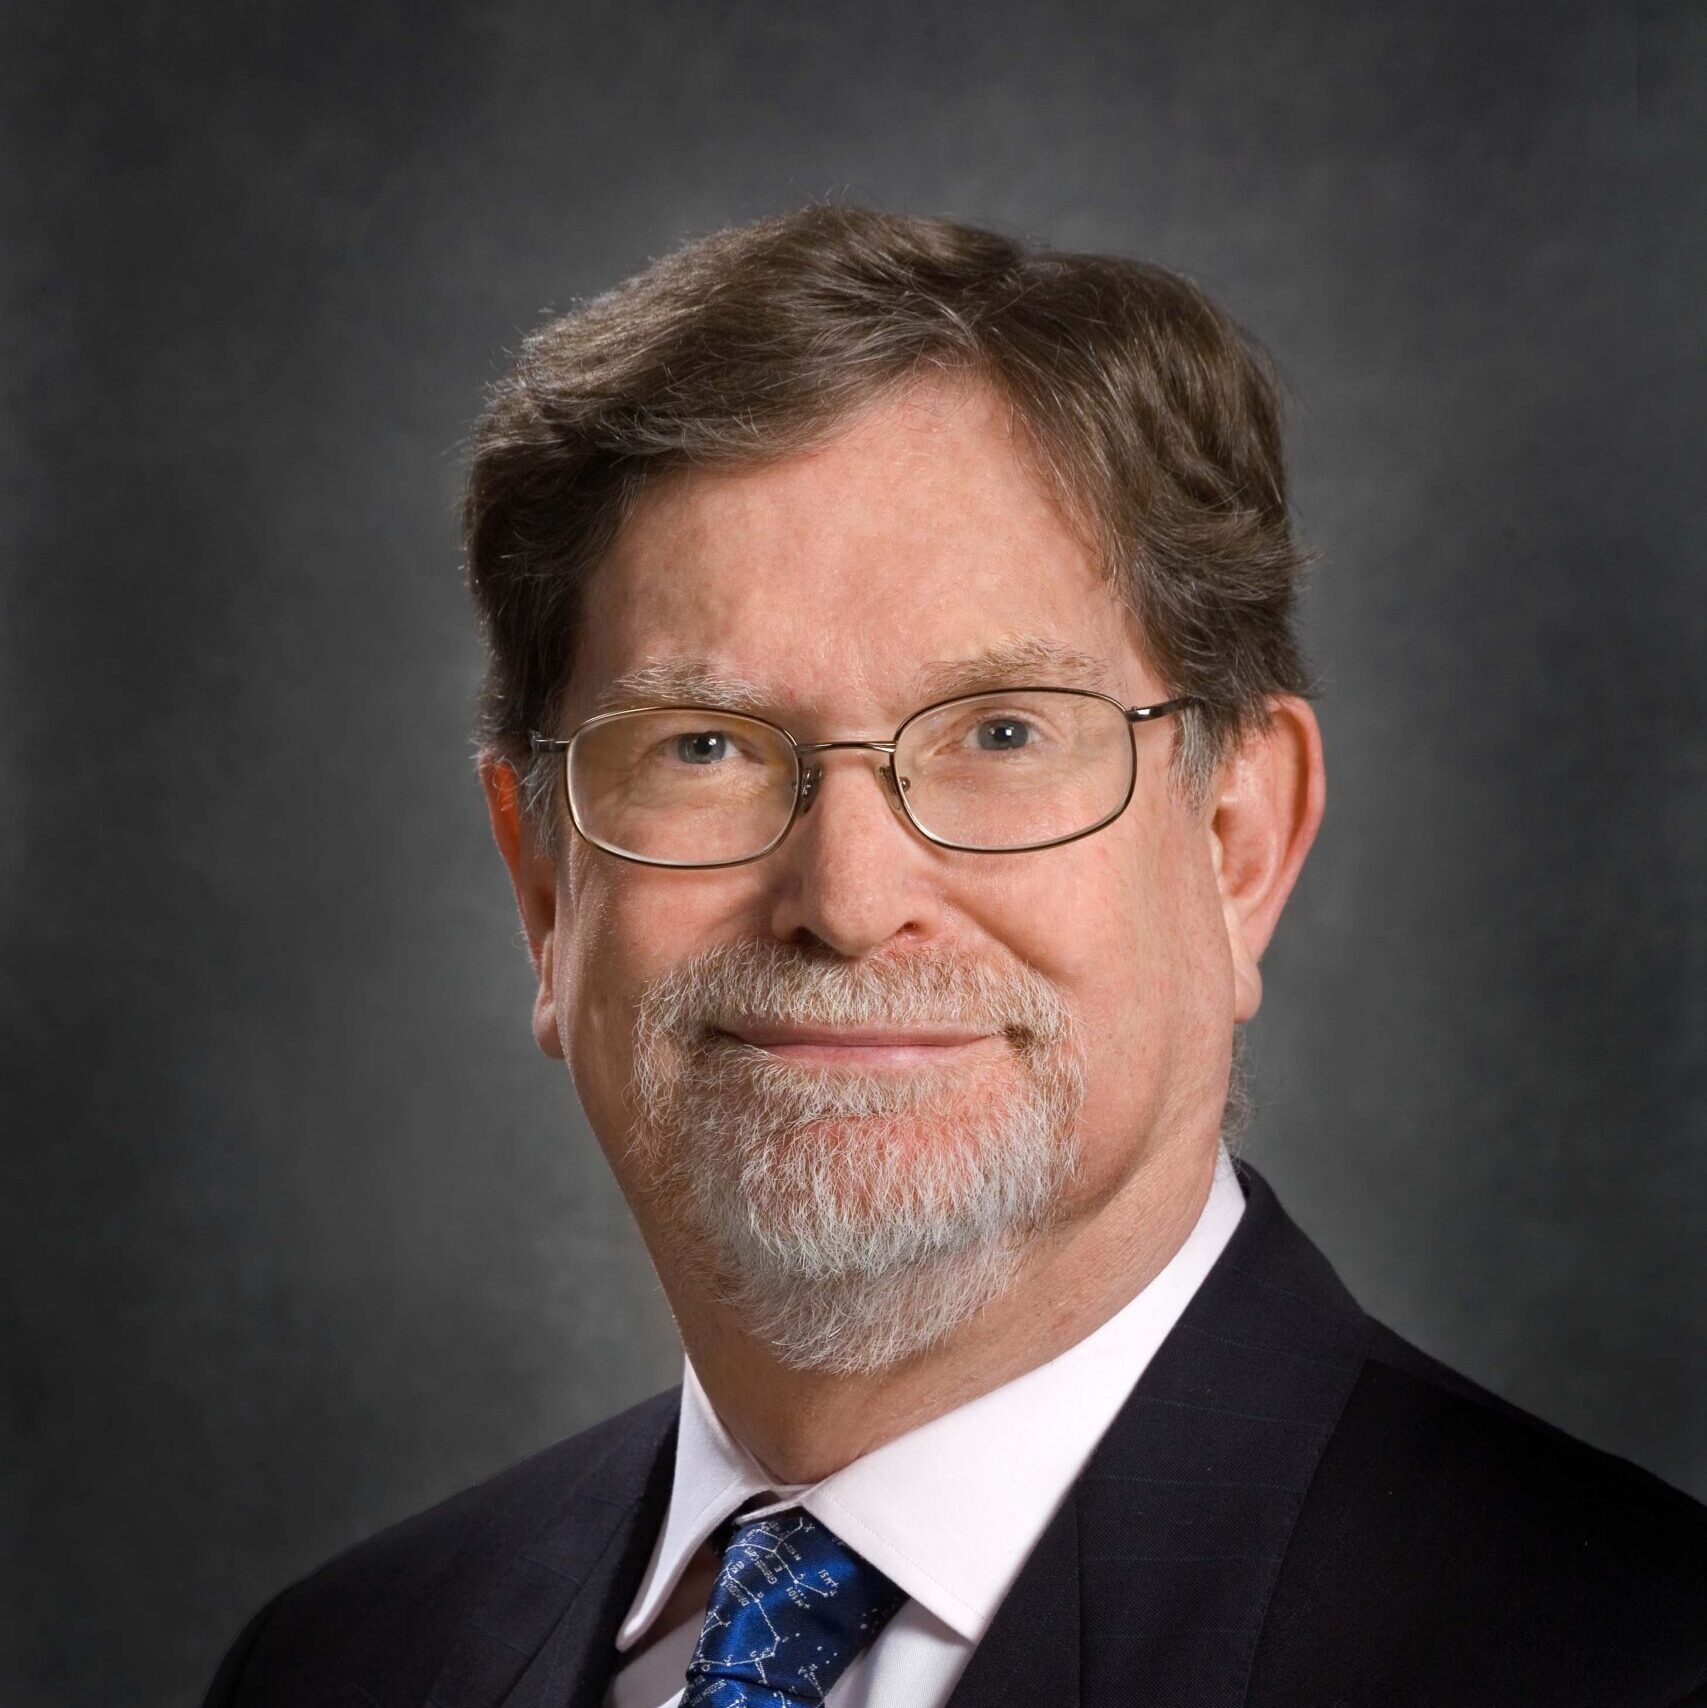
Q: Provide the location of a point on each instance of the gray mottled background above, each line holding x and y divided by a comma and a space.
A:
299, 1233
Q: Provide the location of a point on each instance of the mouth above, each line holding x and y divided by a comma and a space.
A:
867, 1049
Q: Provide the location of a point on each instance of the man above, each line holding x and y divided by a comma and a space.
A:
836, 571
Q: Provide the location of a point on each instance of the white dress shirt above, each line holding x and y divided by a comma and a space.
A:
949, 1511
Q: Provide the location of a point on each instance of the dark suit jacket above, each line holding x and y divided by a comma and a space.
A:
1295, 1509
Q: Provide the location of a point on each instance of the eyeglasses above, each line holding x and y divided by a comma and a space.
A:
998, 772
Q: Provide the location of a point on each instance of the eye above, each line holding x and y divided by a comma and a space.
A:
1002, 735
701, 747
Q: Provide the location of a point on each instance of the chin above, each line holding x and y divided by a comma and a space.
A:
850, 1240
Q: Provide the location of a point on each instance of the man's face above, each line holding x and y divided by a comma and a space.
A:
835, 583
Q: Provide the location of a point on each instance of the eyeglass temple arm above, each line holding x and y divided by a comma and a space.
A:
1148, 714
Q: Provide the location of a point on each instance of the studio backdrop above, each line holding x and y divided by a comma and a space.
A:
300, 1233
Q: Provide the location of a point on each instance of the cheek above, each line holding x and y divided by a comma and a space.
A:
1091, 917
627, 926
1129, 930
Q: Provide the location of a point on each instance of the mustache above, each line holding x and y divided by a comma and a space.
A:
735, 985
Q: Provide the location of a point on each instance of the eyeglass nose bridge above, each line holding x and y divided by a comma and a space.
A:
813, 775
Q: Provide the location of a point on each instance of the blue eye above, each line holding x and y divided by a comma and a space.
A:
1003, 735
702, 747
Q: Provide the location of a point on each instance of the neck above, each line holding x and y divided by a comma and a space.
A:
801, 1425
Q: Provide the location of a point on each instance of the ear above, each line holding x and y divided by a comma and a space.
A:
534, 874
1268, 803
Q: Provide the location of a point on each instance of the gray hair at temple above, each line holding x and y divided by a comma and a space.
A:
1148, 414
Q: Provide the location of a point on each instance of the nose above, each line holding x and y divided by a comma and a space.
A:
851, 873
813, 775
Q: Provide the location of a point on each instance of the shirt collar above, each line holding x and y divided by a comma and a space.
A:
949, 1510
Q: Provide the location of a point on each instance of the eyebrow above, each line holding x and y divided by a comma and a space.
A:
1032, 659
684, 681
1014, 663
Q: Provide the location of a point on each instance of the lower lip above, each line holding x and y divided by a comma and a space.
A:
872, 1056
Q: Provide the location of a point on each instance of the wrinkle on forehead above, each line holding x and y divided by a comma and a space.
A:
918, 530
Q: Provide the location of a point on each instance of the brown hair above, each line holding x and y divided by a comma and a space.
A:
1151, 416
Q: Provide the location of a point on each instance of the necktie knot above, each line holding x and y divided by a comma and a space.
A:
792, 1608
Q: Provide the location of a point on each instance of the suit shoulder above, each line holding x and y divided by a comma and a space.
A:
1464, 1549
400, 1589
1469, 1427
498, 1513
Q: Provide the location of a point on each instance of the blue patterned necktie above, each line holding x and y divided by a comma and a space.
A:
792, 1607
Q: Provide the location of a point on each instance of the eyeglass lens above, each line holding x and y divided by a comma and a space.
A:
992, 772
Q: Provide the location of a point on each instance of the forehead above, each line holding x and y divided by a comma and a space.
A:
916, 543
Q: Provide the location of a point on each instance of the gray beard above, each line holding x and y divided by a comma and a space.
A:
851, 1219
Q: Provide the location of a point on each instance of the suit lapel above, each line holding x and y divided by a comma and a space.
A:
1030, 1654
1152, 1583
547, 1631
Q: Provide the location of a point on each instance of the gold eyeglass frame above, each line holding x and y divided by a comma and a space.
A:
807, 778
